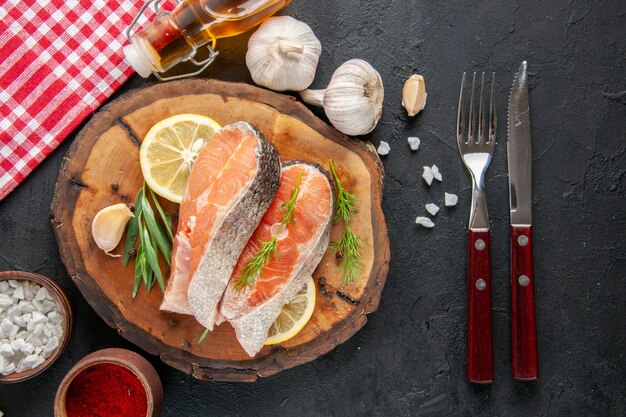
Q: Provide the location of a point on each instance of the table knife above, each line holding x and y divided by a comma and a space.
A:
524, 328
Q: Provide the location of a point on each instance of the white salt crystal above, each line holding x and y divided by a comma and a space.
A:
8, 369
38, 330
38, 318
34, 340
33, 361
21, 367
19, 321
7, 326
432, 208
5, 301
47, 329
414, 142
424, 221
53, 316
19, 293
12, 313
4, 287
42, 294
26, 306
383, 148
28, 292
57, 330
428, 175
28, 349
450, 199
51, 346
38, 350
13, 283
18, 344
436, 173
46, 306
3, 363
6, 350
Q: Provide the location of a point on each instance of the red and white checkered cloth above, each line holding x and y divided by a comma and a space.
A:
59, 60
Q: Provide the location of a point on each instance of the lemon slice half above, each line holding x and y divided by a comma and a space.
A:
294, 315
170, 149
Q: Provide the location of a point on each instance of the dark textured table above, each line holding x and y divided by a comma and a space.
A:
409, 359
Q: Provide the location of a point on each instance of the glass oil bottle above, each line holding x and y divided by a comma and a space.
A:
175, 37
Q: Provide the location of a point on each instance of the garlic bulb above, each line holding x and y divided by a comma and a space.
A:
353, 100
414, 94
283, 54
108, 226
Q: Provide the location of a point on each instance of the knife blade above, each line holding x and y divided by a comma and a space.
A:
524, 328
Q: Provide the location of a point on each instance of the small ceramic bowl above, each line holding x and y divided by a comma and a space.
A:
66, 310
126, 358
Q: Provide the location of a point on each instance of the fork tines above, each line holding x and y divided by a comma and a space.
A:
477, 123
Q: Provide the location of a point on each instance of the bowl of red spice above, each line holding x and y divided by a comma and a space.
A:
112, 383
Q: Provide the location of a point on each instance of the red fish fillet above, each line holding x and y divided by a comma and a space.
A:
300, 247
232, 182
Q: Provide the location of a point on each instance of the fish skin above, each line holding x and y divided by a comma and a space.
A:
251, 328
230, 237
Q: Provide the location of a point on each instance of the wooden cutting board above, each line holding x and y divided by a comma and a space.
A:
106, 152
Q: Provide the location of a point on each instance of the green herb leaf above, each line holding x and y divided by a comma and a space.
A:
167, 221
151, 257
203, 336
155, 230
131, 238
345, 204
138, 275
132, 232
349, 247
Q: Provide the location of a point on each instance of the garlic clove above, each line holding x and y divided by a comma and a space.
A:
353, 100
108, 226
283, 54
414, 94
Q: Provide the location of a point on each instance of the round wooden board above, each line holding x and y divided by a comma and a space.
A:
106, 151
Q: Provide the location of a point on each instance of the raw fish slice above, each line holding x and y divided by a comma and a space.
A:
300, 248
233, 181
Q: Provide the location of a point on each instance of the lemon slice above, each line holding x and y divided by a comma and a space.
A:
294, 315
170, 149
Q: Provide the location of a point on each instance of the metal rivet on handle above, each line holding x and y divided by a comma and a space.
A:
481, 284
480, 244
523, 280
522, 240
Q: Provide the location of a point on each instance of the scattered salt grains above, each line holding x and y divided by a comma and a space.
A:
450, 199
432, 208
383, 148
414, 142
30, 326
435, 170
424, 221
428, 175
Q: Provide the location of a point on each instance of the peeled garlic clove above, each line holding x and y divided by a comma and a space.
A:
283, 54
353, 100
108, 226
414, 94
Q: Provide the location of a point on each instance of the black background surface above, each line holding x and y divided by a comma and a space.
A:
409, 359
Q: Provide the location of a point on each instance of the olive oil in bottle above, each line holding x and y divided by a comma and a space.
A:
176, 36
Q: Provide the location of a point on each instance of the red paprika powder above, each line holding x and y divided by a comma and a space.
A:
106, 390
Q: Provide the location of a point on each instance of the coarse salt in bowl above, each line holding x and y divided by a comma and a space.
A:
35, 324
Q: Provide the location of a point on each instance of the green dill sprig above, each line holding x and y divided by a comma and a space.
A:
349, 246
345, 204
153, 238
268, 250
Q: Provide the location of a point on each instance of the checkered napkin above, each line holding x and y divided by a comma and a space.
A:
59, 60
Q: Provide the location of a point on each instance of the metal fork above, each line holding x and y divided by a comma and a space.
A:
476, 151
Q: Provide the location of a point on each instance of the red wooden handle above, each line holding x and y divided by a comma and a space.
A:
479, 338
524, 328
